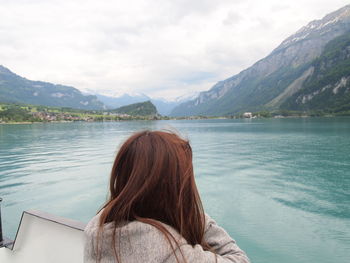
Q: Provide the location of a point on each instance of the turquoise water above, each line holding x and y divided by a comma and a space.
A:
280, 187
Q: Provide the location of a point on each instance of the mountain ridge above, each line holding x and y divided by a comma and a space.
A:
254, 87
17, 89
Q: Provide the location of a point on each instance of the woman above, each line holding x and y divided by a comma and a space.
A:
154, 212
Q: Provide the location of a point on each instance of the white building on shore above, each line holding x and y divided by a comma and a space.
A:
248, 115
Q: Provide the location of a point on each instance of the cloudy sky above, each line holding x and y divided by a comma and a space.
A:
163, 48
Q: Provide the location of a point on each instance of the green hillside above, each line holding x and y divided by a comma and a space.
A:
138, 109
16, 112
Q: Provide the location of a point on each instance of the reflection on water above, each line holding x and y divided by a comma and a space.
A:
280, 187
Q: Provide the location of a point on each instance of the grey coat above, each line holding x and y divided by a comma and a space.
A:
140, 242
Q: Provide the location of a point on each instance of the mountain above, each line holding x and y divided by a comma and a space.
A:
283, 76
14, 88
328, 87
186, 97
163, 106
138, 109
119, 101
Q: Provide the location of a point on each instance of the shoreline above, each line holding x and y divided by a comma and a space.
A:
178, 119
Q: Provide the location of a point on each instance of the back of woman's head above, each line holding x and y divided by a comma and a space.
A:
152, 180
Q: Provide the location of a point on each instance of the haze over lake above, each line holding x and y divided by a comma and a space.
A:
280, 187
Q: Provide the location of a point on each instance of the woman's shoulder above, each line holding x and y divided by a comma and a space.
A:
138, 229
132, 227
138, 241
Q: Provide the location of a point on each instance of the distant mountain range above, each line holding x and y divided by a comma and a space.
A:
310, 70
122, 100
16, 89
164, 107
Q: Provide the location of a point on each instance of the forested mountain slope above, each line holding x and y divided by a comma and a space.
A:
274, 81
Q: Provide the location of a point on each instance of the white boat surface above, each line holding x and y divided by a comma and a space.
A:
44, 238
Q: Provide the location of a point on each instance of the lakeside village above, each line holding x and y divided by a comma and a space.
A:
66, 117
22, 113
110, 116
53, 116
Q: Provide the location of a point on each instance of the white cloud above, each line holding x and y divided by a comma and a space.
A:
161, 48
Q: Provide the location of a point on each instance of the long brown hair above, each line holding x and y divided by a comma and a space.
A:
152, 181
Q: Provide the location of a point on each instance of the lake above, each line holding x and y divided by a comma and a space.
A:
280, 187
